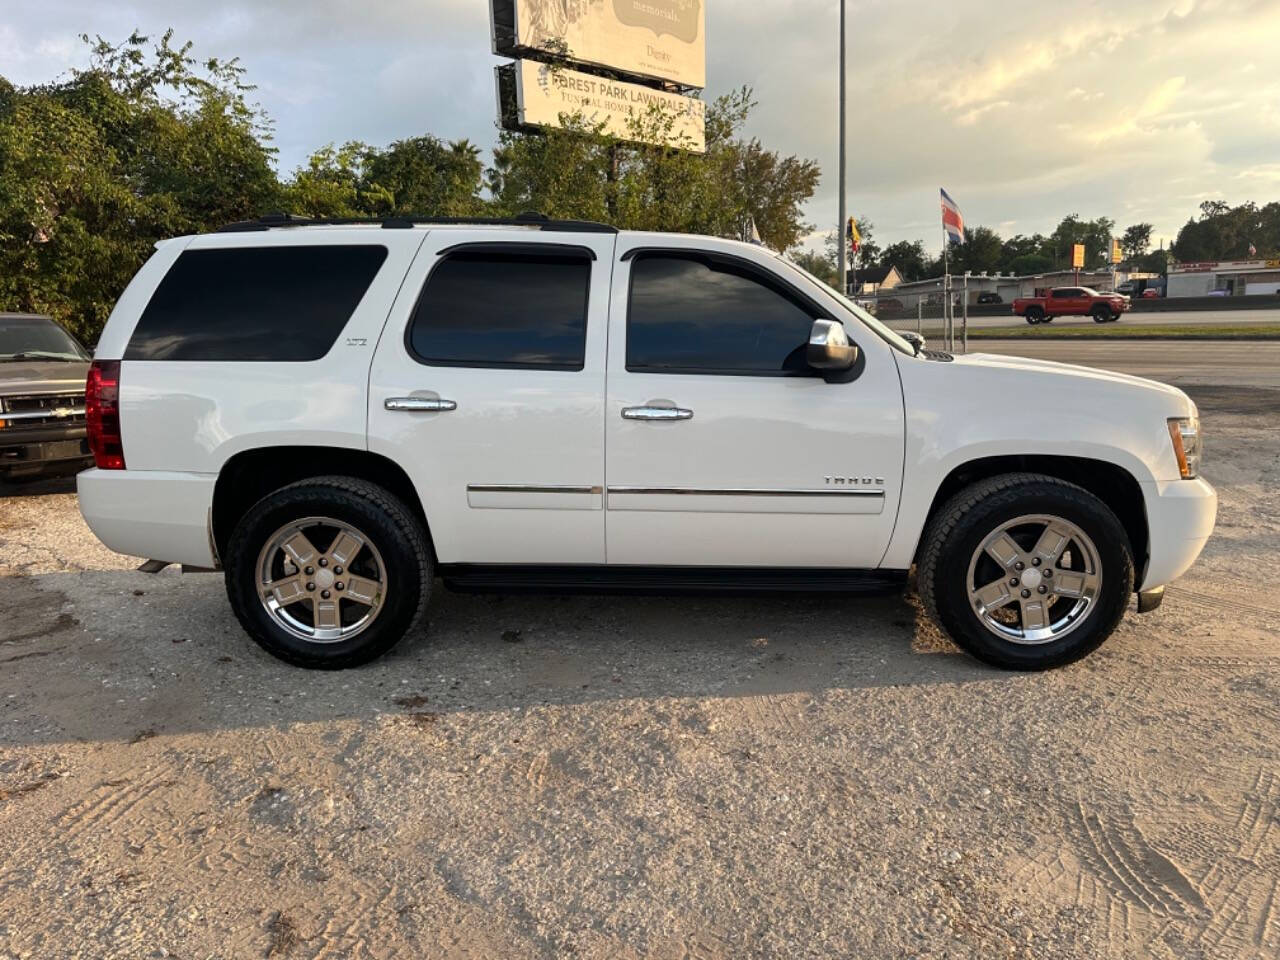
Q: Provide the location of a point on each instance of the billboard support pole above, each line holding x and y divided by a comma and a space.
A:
843, 262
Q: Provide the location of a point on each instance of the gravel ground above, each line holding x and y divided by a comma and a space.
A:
628, 778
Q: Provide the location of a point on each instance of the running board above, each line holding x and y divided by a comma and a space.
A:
658, 581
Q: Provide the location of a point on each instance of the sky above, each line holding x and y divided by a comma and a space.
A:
1133, 109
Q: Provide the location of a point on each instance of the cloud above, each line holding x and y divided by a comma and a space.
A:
1023, 118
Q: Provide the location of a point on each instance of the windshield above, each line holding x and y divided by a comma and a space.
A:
35, 338
877, 327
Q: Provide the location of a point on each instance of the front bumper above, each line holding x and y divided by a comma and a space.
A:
29, 451
153, 514
1180, 518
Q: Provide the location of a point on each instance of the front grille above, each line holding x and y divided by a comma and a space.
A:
45, 409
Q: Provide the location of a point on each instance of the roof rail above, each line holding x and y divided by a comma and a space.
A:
271, 221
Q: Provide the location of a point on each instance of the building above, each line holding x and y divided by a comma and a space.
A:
1234, 278
872, 281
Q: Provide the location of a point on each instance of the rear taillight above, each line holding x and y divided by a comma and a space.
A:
102, 411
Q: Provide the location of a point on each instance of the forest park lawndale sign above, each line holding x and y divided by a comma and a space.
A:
653, 39
541, 96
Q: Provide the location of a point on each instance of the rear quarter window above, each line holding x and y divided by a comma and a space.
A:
255, 303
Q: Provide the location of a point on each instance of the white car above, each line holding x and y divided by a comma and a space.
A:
337, 414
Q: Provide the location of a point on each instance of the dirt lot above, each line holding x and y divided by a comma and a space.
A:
641, 778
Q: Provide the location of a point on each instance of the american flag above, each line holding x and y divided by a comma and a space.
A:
952, 221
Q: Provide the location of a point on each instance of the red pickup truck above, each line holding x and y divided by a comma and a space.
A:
1071, 302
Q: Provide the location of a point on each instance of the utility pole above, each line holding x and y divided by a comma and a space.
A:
844, 260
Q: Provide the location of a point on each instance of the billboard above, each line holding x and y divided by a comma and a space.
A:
657, 39
537, 95
1077, 255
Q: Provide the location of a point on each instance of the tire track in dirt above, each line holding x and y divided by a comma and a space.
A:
1269, 616
108, 802
1120, 855
1242, 887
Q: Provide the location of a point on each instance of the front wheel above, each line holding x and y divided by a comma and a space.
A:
1102, 315
1026, 571
329, 572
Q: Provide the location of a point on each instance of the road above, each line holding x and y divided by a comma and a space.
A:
1155, 319
1180, 362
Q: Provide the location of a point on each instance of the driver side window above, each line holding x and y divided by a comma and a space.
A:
693, 314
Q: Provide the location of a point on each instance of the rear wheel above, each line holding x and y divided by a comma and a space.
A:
1034, 315
1025, 571
329, 572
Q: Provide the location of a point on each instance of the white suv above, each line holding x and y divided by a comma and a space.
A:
336, 414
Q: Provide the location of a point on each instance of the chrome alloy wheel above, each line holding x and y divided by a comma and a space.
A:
321, 579
1034, 579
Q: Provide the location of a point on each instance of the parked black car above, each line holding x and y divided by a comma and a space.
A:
990, 296
42, 416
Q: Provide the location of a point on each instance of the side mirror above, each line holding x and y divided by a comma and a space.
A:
917, 342
829, 348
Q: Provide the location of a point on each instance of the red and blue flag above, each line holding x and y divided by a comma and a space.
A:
952, 221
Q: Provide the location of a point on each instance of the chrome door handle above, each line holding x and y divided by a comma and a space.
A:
656, 413
419, 404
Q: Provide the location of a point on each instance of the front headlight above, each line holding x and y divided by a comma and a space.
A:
1187, 445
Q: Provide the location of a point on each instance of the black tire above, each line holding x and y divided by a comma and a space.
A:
959, 529
1034, 315
1102, 315
389, 525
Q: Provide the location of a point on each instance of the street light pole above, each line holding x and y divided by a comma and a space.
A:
840, 228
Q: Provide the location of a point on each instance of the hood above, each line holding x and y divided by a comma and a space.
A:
19, 377
1088, 376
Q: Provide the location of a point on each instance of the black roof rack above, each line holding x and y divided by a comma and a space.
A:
273, 221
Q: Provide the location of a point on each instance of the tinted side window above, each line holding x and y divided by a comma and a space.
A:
489, 309
688, 315
255, 303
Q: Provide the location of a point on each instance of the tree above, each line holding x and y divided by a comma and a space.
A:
1226, 233
425, 176
1030, 263
868, 254
817, 264
909, 257
1094, 234
332, 184
146, 143
561, 173
1136, 240
981, 250
580, 172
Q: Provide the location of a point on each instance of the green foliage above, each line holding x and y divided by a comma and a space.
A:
1224, 233
426, 175
421, 175
1136, 240
981, 250
909, 257
146, 143
579, 172
333, 184
817, 264
1094, 234
568, 173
